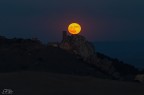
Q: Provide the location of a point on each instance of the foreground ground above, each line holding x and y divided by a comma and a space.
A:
43, 83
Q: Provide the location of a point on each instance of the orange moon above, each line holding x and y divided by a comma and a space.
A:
74, 28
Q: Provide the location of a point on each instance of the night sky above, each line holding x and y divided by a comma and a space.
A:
101, 20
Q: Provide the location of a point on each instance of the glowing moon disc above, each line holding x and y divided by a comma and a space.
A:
74, 28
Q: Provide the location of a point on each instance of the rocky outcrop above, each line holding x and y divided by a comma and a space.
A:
78, 45
114, 68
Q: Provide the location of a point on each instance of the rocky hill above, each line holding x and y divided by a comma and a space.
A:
30, 54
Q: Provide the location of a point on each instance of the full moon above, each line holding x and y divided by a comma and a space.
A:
74, 28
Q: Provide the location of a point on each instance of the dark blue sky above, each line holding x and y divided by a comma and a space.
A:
101, 20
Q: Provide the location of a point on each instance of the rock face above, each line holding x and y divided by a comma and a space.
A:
78, 45
85, 50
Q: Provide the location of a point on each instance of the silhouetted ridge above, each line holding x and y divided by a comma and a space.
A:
30, 54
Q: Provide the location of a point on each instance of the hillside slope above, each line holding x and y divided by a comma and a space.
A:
44, 83
27, 54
